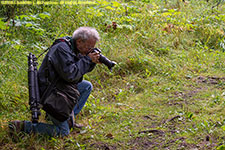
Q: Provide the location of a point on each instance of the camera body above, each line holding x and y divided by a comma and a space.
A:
110, 64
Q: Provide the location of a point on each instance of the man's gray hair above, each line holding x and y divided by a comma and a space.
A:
85, 33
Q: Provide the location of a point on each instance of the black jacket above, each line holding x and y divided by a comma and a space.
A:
64, 63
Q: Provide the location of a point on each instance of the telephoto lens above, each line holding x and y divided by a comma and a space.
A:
110, 64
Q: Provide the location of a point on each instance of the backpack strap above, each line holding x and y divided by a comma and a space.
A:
66, 39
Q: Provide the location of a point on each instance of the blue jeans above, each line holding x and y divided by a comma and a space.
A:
60, 128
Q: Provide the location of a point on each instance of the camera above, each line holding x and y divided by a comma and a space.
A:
110, 64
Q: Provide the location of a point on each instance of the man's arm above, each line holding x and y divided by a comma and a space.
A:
66, 65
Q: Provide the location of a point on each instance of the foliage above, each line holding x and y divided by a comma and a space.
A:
166, 92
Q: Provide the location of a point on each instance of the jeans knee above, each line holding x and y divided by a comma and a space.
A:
90, 86
86, 85
64, 131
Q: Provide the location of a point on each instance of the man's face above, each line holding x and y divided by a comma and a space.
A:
85, 46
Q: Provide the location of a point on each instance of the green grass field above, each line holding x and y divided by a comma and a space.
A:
167, 90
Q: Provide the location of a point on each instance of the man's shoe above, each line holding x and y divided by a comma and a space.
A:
79, 126
72, 124
16, 129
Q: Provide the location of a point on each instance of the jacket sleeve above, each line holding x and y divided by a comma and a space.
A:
92, 65
69, 68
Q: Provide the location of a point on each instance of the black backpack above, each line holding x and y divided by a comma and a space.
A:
59, 98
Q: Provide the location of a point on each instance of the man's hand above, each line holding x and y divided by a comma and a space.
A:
94, 57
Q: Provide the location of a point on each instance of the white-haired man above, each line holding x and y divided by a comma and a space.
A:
67, 60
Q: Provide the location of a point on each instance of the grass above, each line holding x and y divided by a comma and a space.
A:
166, 92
